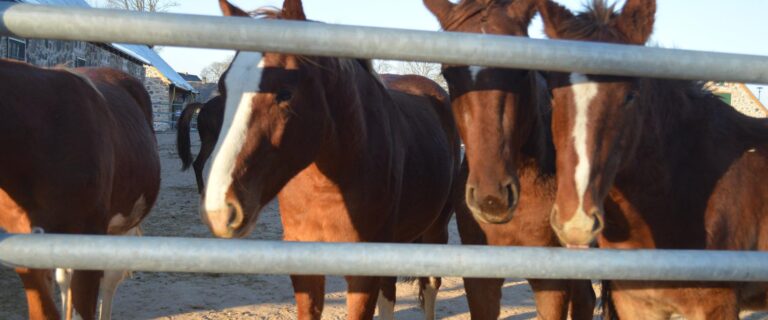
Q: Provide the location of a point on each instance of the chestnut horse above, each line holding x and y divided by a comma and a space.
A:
349, 160
208, 126
79, 156
503, 117
652, 163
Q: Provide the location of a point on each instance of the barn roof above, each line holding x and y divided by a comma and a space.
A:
139, 52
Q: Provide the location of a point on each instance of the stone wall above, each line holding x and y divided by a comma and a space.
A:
3, 46
741, 98
51, 53
159, 90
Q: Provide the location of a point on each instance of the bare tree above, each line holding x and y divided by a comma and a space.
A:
213, 71
382, 67
425, 69
142, 5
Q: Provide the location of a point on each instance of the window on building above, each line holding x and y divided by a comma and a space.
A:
17, 49
80, 62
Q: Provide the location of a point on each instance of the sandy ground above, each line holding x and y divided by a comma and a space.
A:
213, 296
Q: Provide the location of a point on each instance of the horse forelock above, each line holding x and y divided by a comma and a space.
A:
595, 23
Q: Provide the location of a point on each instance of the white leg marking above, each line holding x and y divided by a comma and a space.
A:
473, 71
242, 82
64, 280
109, 283
430, 296
386, 308
119, 222
584, 91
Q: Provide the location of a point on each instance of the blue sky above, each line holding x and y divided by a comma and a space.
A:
736, 26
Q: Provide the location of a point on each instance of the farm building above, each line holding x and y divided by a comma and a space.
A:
168, 89
206, 90
740, 97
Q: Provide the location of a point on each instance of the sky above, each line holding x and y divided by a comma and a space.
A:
735, 26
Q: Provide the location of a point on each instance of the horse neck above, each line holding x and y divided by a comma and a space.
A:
686, 145
357, 111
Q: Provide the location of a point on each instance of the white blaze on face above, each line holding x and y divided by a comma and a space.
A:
242, 84
473, 71
584, 92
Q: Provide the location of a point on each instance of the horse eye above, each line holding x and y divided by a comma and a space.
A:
283, 95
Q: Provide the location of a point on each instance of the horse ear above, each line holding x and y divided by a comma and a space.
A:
293, 10
554, 16
637, 19
440, 8
231, 10
522, 10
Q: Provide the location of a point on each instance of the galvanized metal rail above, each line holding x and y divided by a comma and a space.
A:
99, 25
276, 257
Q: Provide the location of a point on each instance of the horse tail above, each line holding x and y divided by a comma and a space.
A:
606, 304
183, 145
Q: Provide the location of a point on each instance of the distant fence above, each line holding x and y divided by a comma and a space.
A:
199, 255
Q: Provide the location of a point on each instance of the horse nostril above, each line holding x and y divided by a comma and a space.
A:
235, 215
599, 222
512, 196
553, 220
471, 194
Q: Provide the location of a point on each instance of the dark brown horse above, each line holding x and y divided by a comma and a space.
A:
208, 126
78, 156
503, 116
348, 159
652, 163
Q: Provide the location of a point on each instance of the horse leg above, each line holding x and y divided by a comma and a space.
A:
107, 289
64, 280
310, 294
85, 292
387, 297
361, 297
582, 304
484, 297
437, 233
428, 295
38, 286
110, 281
551, 298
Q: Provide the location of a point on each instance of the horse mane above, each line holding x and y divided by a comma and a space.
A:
541, 144
344, 64
595, 23
670, 103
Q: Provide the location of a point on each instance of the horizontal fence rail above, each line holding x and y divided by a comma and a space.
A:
277, 257
99, 25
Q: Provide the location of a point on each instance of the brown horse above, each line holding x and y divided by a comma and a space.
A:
652, 163
503, 117
208, 126
79, 156
348, 159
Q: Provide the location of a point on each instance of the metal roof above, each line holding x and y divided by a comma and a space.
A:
139, 52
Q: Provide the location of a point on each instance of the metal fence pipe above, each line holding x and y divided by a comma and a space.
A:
275, 257
99, 25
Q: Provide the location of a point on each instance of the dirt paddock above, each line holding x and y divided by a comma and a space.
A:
214, 296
